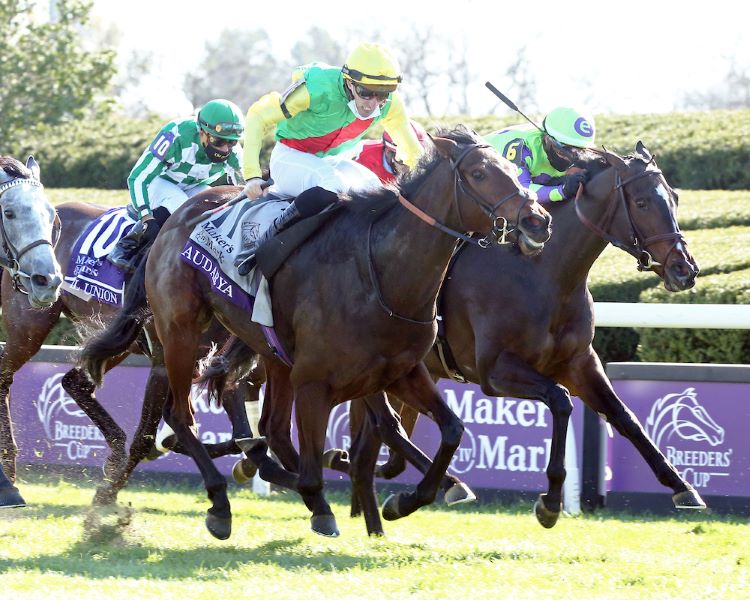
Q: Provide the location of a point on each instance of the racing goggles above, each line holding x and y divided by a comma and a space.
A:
368, 94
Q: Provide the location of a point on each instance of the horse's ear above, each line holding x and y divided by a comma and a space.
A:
613, 159
445, 147
643, 151
33, 166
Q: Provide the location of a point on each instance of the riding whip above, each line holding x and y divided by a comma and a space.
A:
210, 213
510, 104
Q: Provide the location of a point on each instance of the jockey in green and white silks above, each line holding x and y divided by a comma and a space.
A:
185, 157
176, 166
544, 156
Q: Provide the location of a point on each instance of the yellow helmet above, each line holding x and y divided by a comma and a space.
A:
373, 66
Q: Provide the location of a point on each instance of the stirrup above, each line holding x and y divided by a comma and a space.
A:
246, 265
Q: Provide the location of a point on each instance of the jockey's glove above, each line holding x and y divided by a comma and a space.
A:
254, 187
572, 181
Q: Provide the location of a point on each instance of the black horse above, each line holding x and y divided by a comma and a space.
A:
529, 333
366, 283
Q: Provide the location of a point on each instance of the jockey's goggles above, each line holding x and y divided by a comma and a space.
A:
226, 128
220, 141
368, 94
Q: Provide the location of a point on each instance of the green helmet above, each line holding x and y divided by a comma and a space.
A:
221, 118
570, 126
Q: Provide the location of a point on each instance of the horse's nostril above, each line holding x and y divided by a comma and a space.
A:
40, 280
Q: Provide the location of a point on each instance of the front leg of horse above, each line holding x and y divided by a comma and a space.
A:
547, 508
8, 448
81, 389
10, 497
418, 390
595, 389
155, 395
313, 409
684, 496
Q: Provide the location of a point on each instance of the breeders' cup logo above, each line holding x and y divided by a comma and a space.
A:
688, 433
66, 425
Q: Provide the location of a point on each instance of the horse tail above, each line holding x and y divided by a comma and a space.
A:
219, 369
122, 331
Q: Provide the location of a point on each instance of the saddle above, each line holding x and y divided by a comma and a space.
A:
272, 254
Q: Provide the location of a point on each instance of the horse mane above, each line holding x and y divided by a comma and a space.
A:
14, 168
411, 181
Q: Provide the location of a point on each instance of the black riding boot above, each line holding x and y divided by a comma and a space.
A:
128, 251
308, 203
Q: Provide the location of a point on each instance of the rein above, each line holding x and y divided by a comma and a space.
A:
498, 233
12, 255
637, 247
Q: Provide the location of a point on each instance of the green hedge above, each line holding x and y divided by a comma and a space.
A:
700, 345
697, 150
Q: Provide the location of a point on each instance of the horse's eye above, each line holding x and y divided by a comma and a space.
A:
641, 202
477, 174
9, 214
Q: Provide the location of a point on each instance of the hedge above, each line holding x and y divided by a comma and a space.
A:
696, 150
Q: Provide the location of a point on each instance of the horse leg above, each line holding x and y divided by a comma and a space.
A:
365, 449
10, 497
276, 418
26, 330
180, 341
396, 462
313, 409
419, 391
590, 383
78, 385
508, 375
154, 398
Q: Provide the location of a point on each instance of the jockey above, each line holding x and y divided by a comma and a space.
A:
380, 155
544, 156
183, 159
323, 113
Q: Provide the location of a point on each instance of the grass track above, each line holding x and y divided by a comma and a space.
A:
480, 551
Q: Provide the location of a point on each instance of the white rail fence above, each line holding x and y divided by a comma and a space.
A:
690, 316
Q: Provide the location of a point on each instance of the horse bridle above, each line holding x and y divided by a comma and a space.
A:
638, 244
10, 260
499, 231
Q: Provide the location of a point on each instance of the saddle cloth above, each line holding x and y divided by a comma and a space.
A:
90, 275
214, 244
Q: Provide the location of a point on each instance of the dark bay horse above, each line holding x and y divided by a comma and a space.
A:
29, 230
364, 285
528, 334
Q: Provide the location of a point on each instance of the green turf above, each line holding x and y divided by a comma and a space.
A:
470, 552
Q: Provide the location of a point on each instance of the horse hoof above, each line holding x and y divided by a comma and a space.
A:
248, 445
244, 470
11, 498
219, 527
391, 510
689, 499
459, 493
324, 525
546, 517
334, 455
153, 454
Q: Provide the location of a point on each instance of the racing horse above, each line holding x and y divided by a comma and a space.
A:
29, 230
529, 333
366, 283
27, 329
